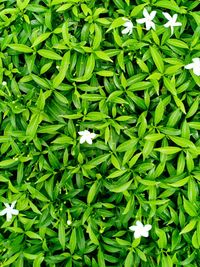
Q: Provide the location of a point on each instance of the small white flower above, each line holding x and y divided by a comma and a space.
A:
4, 83
69, 222
9, 211
128, 27
195, 66
140, 230
86, 136
57, 67
147, 19
171, 21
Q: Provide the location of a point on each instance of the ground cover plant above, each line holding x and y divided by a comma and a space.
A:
99, 133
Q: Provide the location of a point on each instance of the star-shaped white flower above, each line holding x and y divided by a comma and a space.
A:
140, 230
195, 66
9, 211
171, 21
86, 136
147, 19
128, 27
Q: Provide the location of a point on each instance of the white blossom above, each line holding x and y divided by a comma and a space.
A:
140, 230
69, 222
4, 83
171, 21
86, 136
128, 27
9, 211
147, 19
195, 66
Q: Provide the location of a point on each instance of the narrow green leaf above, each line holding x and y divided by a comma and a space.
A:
157, 58
49, 54
21, 48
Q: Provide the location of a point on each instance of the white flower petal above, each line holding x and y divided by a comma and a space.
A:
197, 71
133, 228
150, 25
167, 25
145, 234
15, 212
3, 212
92, 135
141, 21
189, 66
82, 139
196, 60
89, 140
167, 15
125, 31
174, 18
8, 216
13, 204
178, 24
147, 227
137, 234
145, 13
152, 15
81, 133
138, 223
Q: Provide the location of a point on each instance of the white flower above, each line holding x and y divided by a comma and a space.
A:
9, 211
171, 21
140, 230
195, 66
86, 136
69, 222
4, 83
147, 19
128, 27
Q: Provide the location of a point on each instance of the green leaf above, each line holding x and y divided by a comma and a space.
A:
129, 261
41, 38
170, 86
189, 207
88, 69
98, 37
177, 43
21, 48
105, 73
49, 54
137, 9
92, 236
63, 140
116, 23
8, 163
61, 234
62, 70
103, 55
157, 58
183, 142
72, 241
98, 160
33, 235
11, 259
168, 150
100, 257
189, 227
127, 145
92, 192
121, 188
154, 137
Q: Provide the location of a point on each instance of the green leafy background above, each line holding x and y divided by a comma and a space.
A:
68, 68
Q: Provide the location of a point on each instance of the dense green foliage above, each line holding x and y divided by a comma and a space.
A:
66, 67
